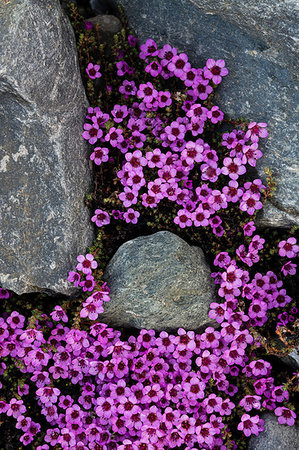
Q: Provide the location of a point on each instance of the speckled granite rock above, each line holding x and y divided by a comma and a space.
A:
258, 40
158, 282
275, 436
44, 171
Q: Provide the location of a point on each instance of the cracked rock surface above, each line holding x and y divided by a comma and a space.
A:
44, 172
258, 41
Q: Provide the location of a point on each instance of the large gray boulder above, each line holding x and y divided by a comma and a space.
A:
275, 436
257, 39
158, 282
44, 169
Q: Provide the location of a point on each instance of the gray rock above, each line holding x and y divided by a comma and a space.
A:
292, 359
100, 6
44, 161
257, 39
158, 282
275, 436
109, 26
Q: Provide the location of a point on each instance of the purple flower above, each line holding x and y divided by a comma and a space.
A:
232, 277
257, 130
52, 436
15, 320
67, 438
250, 425
215, 70
191, 77
114, 136
148, 49
131, 216
203, 90
197, 112
289, 268
280, 298
74, 277
116, 214
222, 259
48, 394
122, 67
279, 394
136, 179
260, 367
23, 390
128, 197
88, 25
88, 284
86, 263
205, 434
258, 308
164, 99
93, 71
26, 439
200, 217
4, 293
252, 154
210, 171
155, 158
128, 88
217, 201
288, 248
228, 139
250, 203
285, 416
59, 314
92, 132
233, 168
100, 155
100, 218
23, 423
147, 92
135, 159
232, 192
249, 228
154, 68
192, 153
132, 40
16, 408
178, 65
167, 53
257, 243
119, 113
183, 218
215, 115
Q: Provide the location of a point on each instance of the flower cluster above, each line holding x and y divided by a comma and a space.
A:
160, 151
147, 392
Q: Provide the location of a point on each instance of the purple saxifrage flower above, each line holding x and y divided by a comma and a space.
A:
92, 71
100, 218
288, 248
285, 416
215, 70
86, 263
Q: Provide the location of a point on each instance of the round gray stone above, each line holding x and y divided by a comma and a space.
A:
158, 282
